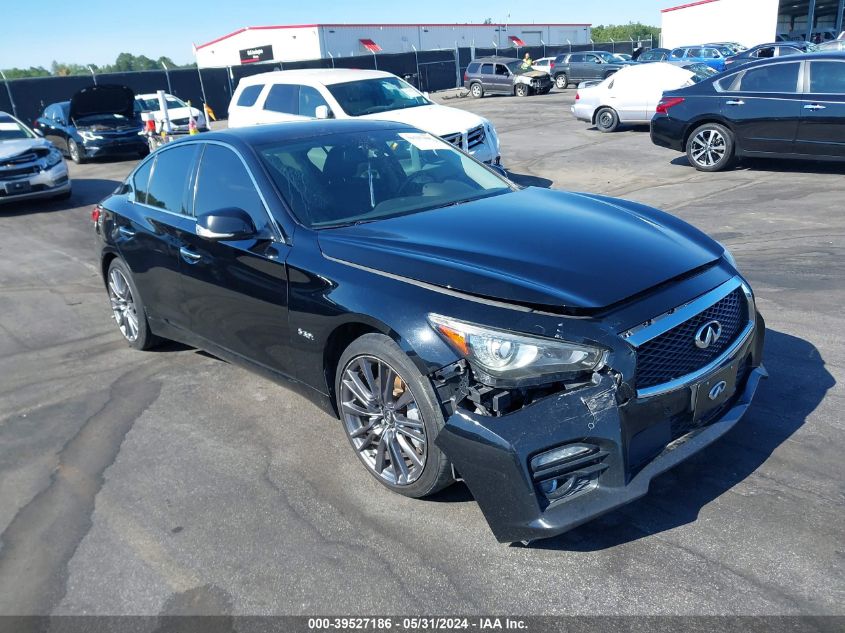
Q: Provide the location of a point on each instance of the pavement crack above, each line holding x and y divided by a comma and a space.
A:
43, 536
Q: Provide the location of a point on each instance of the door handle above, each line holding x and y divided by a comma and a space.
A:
126, 231
735, 102
814, 106
189, 256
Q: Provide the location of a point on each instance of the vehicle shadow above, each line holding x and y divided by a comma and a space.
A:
530, 181
86, 192
798, 383
776, 165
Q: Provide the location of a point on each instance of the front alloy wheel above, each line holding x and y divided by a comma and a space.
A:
391, 415
383, 421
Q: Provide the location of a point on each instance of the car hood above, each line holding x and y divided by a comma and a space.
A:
535, 247
102, 100
17, 147
436, 119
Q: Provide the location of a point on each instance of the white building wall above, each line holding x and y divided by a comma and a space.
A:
343, 40
289, 44
749, 22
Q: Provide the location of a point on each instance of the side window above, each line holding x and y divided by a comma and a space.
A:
576, 58
501, 69
141, 180
766, 51
487, 69
169, 182
250, 95
309, 100
770, 78
695, 52
827, 77
787, 50
473, 68
50, 112
283, 98
678, 53
223, 181
592, 59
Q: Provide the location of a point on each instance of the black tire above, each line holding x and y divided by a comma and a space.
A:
545, 91
436, 471
476, 90
521, 90
711, 147
561, 81
76, 155
144, 338
607, 120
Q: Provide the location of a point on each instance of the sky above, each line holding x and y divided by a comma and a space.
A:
96, 31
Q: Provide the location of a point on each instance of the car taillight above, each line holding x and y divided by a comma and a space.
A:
668, 102
95, 214
551, 65
577, 96
466, 75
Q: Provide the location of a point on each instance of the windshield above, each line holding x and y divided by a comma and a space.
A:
517, 68
12, 130
606, 57
342, 179
369, 96
151, 105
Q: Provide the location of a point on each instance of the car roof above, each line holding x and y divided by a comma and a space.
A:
496, 58
6, 117
324, 76
279, 132
154, 95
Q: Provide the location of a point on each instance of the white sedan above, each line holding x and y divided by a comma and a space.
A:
178, 111
630, 96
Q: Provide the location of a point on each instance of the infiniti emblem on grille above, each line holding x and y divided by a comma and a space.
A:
708, 334
717, 390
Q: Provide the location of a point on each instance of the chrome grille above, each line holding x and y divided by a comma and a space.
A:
456, 139
18, 160
674, 354
19, 172
475, 137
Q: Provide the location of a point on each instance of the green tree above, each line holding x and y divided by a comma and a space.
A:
625, 32
20, 73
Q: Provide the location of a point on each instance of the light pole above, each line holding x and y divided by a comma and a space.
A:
167, 74
93, 74
9, 91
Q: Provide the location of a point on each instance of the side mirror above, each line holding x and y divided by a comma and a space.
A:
322, 112
230, 223
38, 132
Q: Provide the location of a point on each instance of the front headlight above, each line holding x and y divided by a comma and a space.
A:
53, 158
89, 136
728, 256
502, 357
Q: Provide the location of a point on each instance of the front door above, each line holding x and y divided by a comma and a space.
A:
236, 291
821, 131
503, 81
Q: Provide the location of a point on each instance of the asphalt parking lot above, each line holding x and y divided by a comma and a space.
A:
169, 482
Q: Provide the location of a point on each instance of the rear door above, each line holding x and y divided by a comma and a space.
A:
488, 77
280, 103
147, 233
236, 291
763, 104
821, 131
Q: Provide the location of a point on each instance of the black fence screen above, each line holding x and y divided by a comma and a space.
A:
427, 70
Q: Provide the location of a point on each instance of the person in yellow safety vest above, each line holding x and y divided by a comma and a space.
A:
527, 62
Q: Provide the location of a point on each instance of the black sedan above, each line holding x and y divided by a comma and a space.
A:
768, 51
97, 121
791, 107
556, 351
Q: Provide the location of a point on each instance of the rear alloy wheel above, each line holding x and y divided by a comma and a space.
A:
607, 120
561, 81
522, 90
75, 153
389, 413
710, 147
476, 90
127, 308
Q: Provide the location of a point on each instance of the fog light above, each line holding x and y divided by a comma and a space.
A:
559, 455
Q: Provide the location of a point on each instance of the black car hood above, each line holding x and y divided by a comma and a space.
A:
106, 99
532, 247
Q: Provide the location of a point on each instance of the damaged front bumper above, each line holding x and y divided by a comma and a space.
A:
570, 457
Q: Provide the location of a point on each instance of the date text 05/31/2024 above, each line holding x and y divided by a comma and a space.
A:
417, 623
